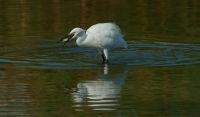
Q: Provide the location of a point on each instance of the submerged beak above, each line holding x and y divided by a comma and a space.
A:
66, 39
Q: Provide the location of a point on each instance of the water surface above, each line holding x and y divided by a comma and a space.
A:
158, 75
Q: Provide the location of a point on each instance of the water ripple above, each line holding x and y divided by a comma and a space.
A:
138, 53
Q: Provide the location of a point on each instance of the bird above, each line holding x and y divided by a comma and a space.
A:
102, 36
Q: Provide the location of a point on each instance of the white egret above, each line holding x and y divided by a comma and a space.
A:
102, 36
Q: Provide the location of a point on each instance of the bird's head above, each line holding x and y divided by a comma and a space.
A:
75, 33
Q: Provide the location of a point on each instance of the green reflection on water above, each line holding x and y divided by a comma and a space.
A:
153, 20
29, 29
146, 90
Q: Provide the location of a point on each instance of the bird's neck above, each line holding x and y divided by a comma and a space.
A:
80, 40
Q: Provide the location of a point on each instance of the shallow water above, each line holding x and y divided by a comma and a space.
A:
158, 75
143, 52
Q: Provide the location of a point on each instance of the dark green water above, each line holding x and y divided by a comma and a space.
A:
158, 75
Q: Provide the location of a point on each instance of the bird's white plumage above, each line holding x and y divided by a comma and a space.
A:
102, 36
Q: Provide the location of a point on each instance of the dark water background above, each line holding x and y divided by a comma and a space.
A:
158, 75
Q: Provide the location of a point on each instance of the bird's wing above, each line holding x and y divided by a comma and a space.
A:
101, 27
107, 35
111, 38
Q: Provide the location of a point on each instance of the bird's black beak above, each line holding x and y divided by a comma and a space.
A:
66, 39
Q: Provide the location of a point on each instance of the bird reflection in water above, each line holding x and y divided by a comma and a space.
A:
103, 91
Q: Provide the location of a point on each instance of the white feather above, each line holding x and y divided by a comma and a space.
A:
102, 36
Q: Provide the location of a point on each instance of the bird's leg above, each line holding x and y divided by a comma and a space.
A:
103, 56
105, 52
106, 61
